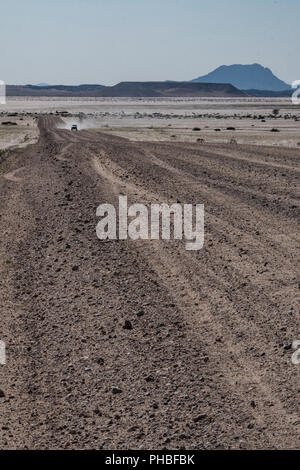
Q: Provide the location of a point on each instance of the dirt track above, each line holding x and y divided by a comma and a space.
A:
207, 362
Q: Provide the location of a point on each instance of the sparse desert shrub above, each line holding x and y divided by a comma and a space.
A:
233, 141
275, 130
201, 141
218, 130
231, 128
196, 129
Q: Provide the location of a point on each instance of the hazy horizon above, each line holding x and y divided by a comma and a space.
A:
43, 84
73, 42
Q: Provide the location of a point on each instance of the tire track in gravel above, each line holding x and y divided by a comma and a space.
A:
204, 365
291, 271
11, 176
170, 271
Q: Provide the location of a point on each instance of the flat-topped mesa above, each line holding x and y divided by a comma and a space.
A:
131, 90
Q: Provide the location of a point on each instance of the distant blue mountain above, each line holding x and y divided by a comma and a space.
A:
245, 77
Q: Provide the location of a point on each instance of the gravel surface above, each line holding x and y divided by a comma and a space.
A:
141, 344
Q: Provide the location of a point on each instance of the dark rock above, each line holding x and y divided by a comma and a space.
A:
127, 325
199, 418
150, 378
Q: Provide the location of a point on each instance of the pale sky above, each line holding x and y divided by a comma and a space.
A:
108, 41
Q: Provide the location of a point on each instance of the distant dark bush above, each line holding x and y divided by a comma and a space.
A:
275, 130
196, 129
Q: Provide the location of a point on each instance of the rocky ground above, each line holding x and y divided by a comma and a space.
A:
17, 130
143, 345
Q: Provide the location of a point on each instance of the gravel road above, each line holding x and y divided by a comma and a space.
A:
142, 344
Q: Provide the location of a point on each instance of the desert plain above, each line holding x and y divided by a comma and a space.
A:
142, 344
